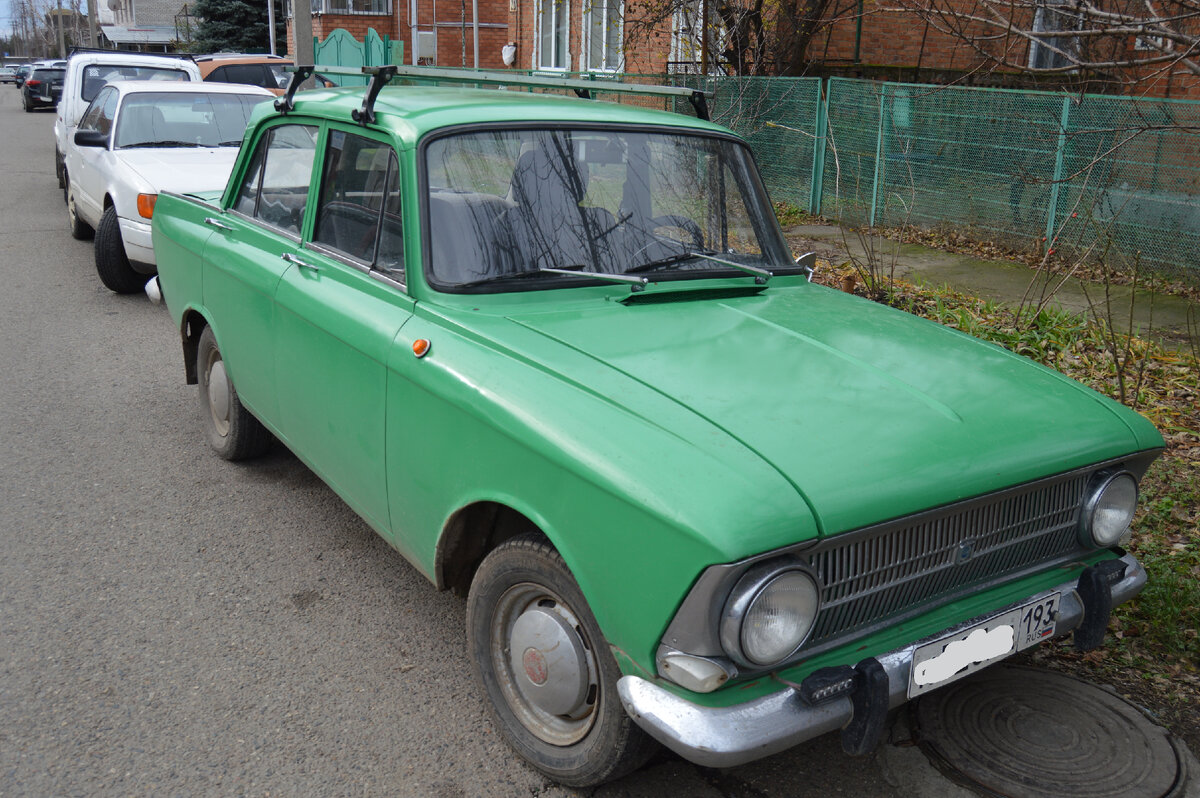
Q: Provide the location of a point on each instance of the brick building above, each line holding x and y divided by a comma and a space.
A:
146, 25
871, 39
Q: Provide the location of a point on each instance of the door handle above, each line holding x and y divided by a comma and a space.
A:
219, 225
290, 258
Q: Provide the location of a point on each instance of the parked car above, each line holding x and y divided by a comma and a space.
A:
268, 71
21, 73
43, 88
138, 138
249, 68
89, 70
8, 74
556, 352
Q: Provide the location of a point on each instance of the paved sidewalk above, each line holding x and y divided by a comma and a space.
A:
1165, 317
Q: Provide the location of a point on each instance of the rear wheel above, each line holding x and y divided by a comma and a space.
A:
80, 229
232, 431
111, 262
550, 678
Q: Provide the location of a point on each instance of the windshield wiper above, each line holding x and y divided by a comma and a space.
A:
760, 275
160, 144
234, 143
669, 260
635, 283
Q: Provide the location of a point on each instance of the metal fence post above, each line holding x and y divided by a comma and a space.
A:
878, 155
1059, 157
816, 185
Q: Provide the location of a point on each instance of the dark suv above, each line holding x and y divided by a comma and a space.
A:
43, 87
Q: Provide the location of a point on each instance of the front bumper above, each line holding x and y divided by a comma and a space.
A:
729, 736
139, 247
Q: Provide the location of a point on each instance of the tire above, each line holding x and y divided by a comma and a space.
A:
524, 601
111, 262
59, 172
25, 102
232, 431
80, 230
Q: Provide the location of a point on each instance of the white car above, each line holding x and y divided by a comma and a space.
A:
89, 70
138, 138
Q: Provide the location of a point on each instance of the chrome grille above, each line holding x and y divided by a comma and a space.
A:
888, 571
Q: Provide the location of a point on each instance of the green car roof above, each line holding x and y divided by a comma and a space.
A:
412, 111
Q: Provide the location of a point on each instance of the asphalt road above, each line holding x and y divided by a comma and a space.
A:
172, 624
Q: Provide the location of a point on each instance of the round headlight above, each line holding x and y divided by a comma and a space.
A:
769, 615
1109, 510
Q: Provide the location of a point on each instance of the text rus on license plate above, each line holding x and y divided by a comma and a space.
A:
953, 657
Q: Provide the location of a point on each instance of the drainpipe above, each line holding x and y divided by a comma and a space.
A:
858, 33
475, 23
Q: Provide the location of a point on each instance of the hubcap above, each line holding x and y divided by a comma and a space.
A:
218, 395
544, 664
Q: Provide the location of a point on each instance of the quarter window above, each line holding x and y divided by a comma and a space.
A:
99, 115
275, 187
359, 199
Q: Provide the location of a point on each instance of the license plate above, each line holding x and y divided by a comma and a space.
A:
960, 654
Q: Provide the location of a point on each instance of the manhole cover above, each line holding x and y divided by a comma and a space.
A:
1028, 733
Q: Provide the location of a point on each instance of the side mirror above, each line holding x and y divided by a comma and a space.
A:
91, 138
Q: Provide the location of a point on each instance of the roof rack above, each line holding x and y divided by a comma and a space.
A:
133, 53
381, 75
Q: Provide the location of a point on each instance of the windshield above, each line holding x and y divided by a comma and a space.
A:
508, 203
184, 119
96, 75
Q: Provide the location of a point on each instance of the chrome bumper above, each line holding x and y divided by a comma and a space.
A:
728, 736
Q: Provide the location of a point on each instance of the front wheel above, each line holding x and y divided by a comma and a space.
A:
232, 431
549, 676
112, 264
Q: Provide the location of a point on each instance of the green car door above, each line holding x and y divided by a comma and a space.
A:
339, 307
244, 260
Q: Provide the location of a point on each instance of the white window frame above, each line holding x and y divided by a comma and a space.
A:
602, 7
560, 8
1063, 40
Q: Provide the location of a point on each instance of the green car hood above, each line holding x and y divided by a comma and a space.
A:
870, 413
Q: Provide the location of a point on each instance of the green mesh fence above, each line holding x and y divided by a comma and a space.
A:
1095, 177
779, 118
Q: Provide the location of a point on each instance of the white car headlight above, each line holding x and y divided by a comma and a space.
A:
769, 614
1108, 510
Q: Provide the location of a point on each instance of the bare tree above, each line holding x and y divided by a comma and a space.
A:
739, 37
1122, 41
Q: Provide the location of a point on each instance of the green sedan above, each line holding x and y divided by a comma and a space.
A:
556, 352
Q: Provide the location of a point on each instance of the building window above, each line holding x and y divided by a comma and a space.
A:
602, 21
688, 40
553, 35
366, 7
1050, 51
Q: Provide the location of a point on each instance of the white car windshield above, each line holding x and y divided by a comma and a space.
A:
507, 204
184, 119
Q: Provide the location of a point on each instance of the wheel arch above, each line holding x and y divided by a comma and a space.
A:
469, 535
191, 327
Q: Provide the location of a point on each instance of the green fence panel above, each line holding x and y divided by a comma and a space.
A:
340, 48
1092, 177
